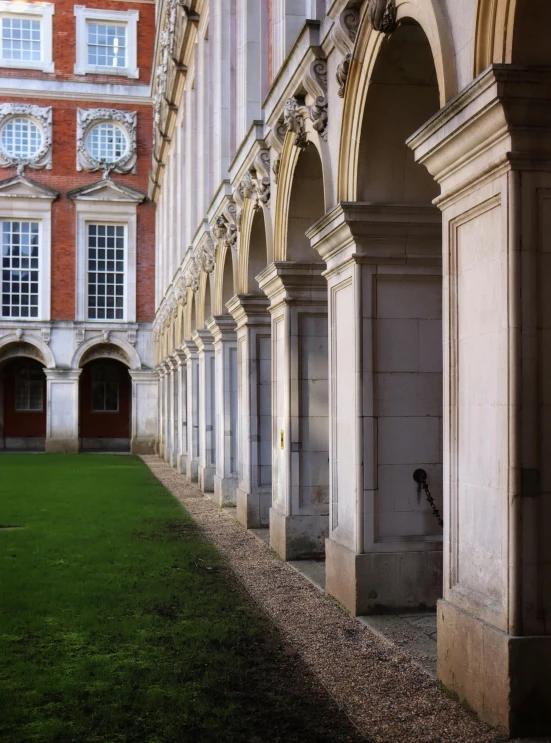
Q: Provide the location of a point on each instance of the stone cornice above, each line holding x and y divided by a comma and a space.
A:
507, 109
222, 328
293, 282
380, 232
249, 309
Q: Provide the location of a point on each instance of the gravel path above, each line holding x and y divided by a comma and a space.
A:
388, 698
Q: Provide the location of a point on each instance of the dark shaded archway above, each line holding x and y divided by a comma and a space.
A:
105, 399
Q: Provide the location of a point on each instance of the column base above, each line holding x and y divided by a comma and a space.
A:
298, 537
62, 446
505, 679
181, 464
253, 509
206, 478
192, 470
381, 582
224, 491
143, 446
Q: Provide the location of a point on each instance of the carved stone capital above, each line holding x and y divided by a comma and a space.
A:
220, 228
87, 119
41, 116
206, 255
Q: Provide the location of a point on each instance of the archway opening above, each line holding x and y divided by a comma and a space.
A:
207, 304
258, 252
403, 94
531, 33
306, 205
227, 280
22, 405
105, 397
401, 288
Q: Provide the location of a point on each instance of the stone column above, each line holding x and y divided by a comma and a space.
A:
384, 277
181, 375
174, 401
145, 419
254, 403
299, 516
490, 150
207, 408
192, 388
222, 328
169, 408
162, 415
62, 431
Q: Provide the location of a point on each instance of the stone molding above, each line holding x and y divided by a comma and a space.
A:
86, 119
315, 82
42, 116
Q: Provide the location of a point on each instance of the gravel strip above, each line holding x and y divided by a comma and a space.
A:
388, 698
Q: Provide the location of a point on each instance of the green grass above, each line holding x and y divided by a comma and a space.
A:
120, 622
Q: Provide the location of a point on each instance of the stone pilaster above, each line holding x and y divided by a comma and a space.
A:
192, 422
222, 329
299, 515
490, 150
181, 377
62, 426
207, 408
254, 395
384, 550
145, 418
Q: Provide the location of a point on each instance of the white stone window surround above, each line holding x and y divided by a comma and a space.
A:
35, 210
41, 117
31, 11
116, 213
126, 121
127, 17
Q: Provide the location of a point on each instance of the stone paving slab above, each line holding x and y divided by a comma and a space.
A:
386, 695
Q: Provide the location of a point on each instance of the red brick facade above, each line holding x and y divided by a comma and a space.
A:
64, 176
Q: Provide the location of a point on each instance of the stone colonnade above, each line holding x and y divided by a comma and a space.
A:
379, 272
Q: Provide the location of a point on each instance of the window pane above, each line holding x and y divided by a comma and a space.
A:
106, 44
21, 138
104, 272
112, 396
19, 287
21, 40
107, 142
29, 387
98, 396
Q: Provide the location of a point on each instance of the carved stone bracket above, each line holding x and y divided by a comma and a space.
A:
343, 34
220, 228
276, 136
275, 168
206, 255
166, 51
46, 335
315, 82
41, 116
293, 116
255, 184
132, 337
80, 335
191, 277
382, 15
86, 119
180, 292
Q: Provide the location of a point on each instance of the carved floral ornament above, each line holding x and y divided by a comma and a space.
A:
38, 122
124, 122
206, 255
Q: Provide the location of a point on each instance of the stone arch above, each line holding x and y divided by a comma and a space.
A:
256, 246
204, 300
429, 16
290, 157
114, 348
190, 318
511, 32
224, 278
12, 346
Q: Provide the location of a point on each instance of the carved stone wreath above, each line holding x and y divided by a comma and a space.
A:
126, 120
42, 117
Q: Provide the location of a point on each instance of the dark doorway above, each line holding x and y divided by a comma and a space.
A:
23, 400
105, 403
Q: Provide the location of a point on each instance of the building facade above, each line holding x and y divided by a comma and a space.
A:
352, 283
78, 263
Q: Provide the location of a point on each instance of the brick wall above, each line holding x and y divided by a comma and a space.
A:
64, 43
64, 177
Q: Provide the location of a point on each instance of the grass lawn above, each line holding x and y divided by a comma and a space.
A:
120, 622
